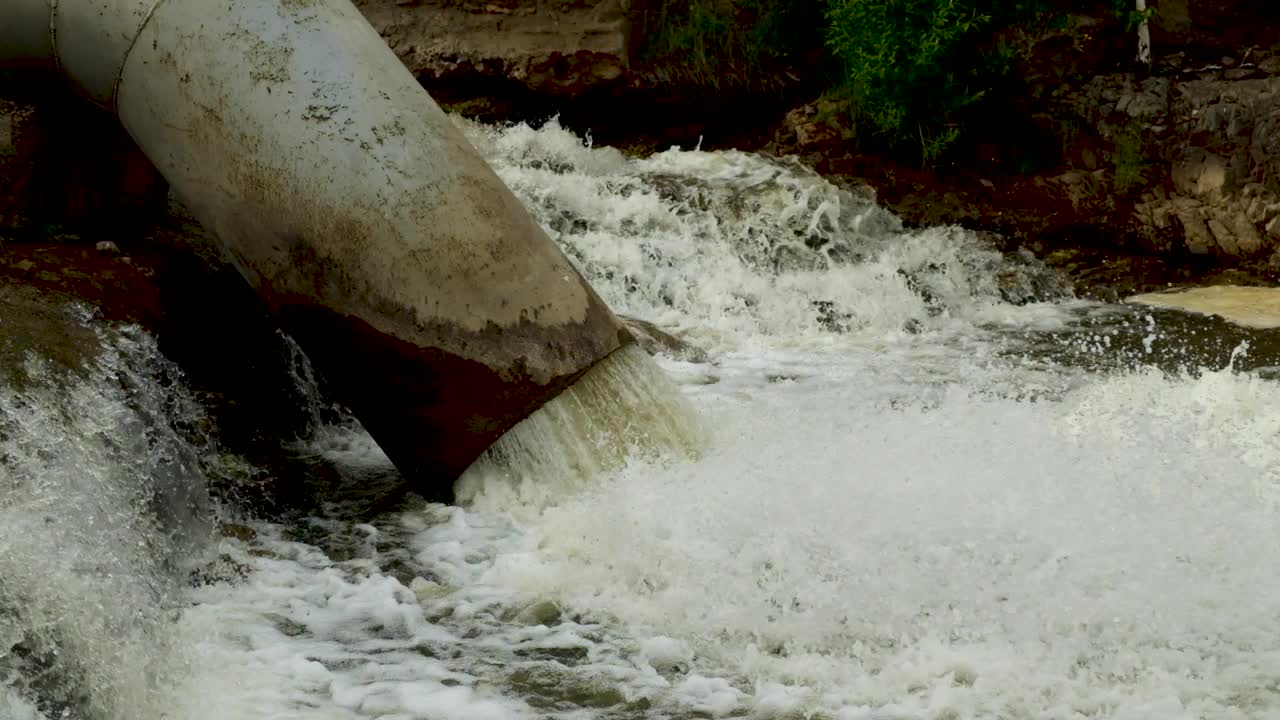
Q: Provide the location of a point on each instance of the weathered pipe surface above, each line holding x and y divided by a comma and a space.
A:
409, 273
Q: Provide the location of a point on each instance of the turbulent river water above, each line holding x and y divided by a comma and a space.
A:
928, 484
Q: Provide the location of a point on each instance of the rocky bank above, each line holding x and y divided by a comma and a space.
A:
1171, 172
1130, 179
1124, 175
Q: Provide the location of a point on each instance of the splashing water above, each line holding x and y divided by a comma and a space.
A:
623, 407
924, 484
101, 507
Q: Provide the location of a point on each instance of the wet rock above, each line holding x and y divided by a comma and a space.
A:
286, 626
425, 590
1104, 274
549, 687
818, 127
564, 655
223, 569
107, 247
543, 612
656, 341
42, 327
243, 533
201, 312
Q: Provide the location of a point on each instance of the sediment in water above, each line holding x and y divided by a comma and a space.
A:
625, 406
1251, 307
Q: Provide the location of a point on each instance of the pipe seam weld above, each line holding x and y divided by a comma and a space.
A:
146, 20
53, 34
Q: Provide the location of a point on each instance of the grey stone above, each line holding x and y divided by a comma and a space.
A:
1199, 240
1264, 147
1273, 227
1248, 240
656, 341
1150, 102
1225, 239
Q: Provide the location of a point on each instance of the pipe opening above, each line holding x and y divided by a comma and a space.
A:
623, 408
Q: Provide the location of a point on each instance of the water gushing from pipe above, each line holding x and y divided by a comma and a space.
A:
624, 407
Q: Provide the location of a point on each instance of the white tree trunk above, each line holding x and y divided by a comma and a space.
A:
1144, 35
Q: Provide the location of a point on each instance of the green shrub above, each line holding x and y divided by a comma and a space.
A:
912, 74
907, 75
727, 43
1126, 12
1128, 158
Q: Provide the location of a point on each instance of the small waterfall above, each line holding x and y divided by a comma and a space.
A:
623, 407
732, 248
102, 507
306, 384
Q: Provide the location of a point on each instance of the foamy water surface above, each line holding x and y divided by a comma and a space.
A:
901, 506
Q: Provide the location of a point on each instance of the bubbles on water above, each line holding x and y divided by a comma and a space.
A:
13, 706
623, 407
732, 246
975, 557
103, 503
1126, 338
905, 523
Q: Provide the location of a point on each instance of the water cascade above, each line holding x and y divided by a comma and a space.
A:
931, 484
370, 228
622, 409
103, 511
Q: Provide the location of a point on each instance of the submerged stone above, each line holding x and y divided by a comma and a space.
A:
547, 686
657, 341
543, 612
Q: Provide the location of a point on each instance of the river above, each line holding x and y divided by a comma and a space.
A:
924, 482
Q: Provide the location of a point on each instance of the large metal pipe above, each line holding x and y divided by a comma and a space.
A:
403, 266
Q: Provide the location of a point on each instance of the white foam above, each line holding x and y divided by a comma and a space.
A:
15, 707
666, 654
847, 547
894, 521
99, 509
622, 407
735, 249
972, 558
